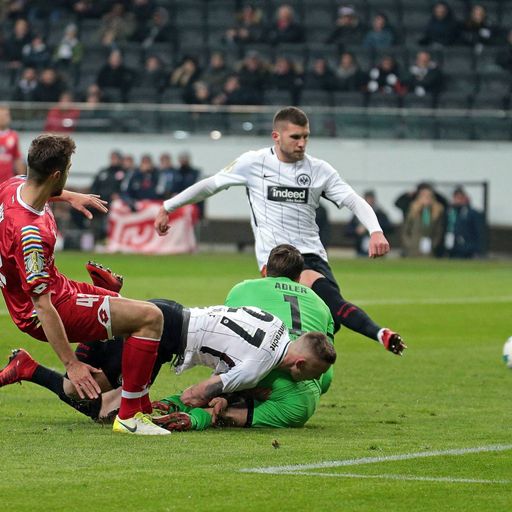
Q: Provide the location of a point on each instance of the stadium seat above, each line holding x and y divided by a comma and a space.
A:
412, 101
349, 99
463, 83
316, 97
172, 96
144, 95
189, 13
486, 60
488, 100
453, 100
380, 100
277, 97
457, 60
498, 83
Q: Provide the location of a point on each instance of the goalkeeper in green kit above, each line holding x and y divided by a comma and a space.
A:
288, 403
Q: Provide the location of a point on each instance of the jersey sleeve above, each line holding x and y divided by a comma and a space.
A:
32, 257
246, 374
342, 194
236, 173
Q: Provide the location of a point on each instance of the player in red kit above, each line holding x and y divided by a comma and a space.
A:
11, 162
50, 307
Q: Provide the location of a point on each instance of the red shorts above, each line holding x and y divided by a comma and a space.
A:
85, 315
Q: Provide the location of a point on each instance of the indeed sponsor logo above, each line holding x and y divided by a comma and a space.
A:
288, 194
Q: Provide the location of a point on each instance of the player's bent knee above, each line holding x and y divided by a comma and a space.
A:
308, 277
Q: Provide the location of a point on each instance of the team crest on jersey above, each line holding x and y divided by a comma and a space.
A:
34, 263
303, 180
33, 255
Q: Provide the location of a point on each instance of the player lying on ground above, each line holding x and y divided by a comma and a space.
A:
50, 307
284, 186
289, 404
242, 345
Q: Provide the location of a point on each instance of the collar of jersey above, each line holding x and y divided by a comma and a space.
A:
25, 205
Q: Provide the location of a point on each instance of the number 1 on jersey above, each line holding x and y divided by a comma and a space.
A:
295, 311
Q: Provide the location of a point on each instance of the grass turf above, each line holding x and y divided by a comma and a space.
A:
450, 391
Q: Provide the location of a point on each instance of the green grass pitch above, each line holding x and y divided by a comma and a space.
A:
450, 391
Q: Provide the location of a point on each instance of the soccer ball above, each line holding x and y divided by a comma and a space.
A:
507, 353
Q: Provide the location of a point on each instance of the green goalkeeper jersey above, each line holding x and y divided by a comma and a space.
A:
298, 306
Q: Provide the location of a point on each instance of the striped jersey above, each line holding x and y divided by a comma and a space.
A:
283, 198
242, 345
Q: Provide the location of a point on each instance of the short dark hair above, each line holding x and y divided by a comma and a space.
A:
320, 346
49, 153
285, 261
292, 115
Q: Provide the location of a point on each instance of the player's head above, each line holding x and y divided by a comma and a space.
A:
310, 355
290, 133
49, 160
5, 117
285, 261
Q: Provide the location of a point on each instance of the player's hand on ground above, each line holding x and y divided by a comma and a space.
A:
379, 246
81, 376
86, 202
162, 222
218, 405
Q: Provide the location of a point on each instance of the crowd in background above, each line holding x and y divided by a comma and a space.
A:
43, 66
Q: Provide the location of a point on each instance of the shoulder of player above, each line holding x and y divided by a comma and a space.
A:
318, 163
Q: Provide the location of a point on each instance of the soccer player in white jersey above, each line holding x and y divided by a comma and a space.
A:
284, 186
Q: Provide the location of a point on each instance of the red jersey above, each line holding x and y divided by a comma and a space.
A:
9, 153
27, 267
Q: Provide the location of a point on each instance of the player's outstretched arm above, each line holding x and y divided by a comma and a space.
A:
200, 394
80, 374
82, 202
379, 246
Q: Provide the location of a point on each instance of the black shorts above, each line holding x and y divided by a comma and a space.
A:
314, 262
107, 356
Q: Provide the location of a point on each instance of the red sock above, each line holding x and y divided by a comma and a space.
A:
139, 355
145, 404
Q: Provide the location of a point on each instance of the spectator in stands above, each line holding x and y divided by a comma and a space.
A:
233, 93
142, 11
349, 74
141, 184
349, 29
116, 75
424, 76
50, 86
381, 35
117, 25
286, 29
94, 95
464, 236
477, 31
321, 76
199, 94
385, 77
14, 44
186, 174
107, 184
63, 117
26, 86
83, 9
157, 30
504, 55
36, 54
423, 229
359, 233
167, 181
442, 28
216, 73
403, 201
69, 52
248, 28
185, 74
253, 75
154, 76
286, 76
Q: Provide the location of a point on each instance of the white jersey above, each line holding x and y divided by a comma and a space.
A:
241, 344
283, 198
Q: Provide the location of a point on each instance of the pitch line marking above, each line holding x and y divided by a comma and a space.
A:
303, 468
390, 476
